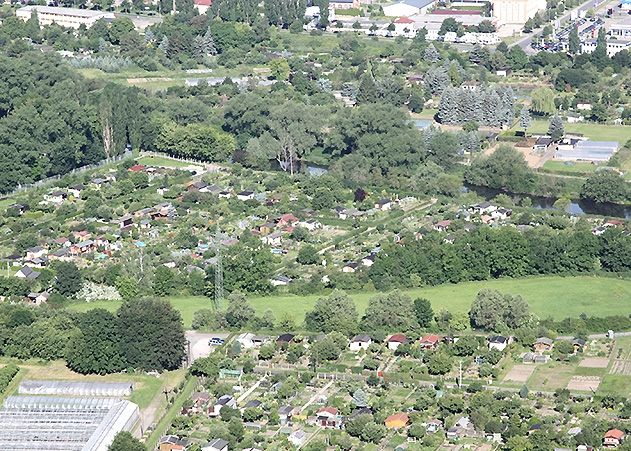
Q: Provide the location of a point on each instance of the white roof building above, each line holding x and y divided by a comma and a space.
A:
65, 17
408, 8
586, 150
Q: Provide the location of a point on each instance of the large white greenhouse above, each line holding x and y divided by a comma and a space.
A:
63, 388
47, 423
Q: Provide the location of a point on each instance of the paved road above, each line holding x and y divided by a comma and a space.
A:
526, 41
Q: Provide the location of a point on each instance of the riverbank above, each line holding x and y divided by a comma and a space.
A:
577, 207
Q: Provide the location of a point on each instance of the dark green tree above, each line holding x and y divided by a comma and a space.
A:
68, 278
423, 311
239, 312
574, 42
124, 441
605, 186
367, 92
556, 130
96, 348
152, 335
336, 312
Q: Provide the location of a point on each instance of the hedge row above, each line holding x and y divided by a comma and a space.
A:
6, 376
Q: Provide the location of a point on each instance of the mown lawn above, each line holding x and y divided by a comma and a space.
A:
551, 376
569, 167
596, 132
558, 297
150, 160
616, 384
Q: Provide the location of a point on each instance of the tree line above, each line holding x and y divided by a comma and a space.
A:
143, 334
504, 252
493, 107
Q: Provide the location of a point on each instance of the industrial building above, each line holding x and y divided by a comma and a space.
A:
408, 8
65, 17
586, 150
516, 12
65, 423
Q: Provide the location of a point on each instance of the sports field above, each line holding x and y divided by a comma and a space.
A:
558, 297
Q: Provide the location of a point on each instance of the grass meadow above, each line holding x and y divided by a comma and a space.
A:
595, 132
558, 297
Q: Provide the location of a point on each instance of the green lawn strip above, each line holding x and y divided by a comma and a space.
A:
172, 412
146, 391
586, 371
150, 160
615, 384
595, 132
569, 168
555, 296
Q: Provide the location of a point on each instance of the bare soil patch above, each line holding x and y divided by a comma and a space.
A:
519, 373
594, 362
584, 383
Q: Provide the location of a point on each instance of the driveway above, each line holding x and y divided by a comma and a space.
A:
198, 343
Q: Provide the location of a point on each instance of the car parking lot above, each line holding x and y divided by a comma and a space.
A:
199, 343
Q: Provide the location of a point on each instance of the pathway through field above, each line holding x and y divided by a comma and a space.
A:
318, 394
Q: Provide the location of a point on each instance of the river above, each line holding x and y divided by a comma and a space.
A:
578, 207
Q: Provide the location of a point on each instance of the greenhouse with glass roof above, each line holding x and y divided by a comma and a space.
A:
49, 423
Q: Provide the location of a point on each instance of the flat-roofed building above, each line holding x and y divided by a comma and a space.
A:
586, 150
516, 12
65, 17
620, 30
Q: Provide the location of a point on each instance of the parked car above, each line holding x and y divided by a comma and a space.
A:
216, 341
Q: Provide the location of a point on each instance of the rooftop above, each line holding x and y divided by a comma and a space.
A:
76, 12
32, 423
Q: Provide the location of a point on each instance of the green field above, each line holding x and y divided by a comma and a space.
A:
558, 297
596, 132
151, 160
569, 167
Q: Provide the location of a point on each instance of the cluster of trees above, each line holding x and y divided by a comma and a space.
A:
125, 441
198, 141
386, 313
374, 142
63, 121
504, 169
492, 107
143, 334
606, 186
492, 310
490, 253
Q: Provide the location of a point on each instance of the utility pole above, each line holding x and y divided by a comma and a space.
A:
460, 375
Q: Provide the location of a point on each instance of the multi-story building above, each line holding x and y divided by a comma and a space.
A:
65, 17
